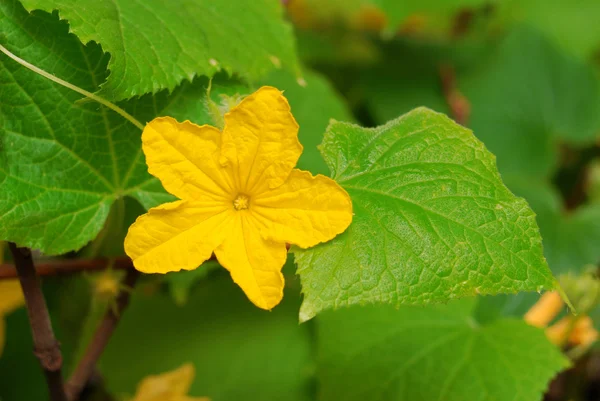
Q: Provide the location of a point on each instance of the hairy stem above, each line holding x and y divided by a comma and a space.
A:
86, 366
460, 108
77, 89
46, 347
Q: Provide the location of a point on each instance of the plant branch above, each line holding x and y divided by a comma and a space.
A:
67, 266
460, 108
46, 347
86, 366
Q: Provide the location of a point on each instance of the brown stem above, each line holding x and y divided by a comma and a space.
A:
86, 366
46, 347
67, 266
460, 108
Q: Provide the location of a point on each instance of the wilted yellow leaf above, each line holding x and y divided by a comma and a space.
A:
169, 386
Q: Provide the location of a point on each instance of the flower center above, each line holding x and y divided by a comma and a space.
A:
241, 202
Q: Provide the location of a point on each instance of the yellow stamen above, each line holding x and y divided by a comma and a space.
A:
241, 202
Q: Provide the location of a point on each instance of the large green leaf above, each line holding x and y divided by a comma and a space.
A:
527, 97
432, 220
62, 165
240, 352
433, 353
572, 25
156, 44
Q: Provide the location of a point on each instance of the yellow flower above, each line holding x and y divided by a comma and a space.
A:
169, 386
573, 331
11, 298
545, 309
241, 197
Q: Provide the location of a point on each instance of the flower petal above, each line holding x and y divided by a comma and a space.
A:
185, 158
177, 235
168, 386
304, 211
254, 263
260, 141
11, 298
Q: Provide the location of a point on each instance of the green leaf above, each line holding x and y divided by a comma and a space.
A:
239, 351
313, 106
432, 353
492, 308
574, 28
432, 220
181, 282
62, 165
526, 97
156, 46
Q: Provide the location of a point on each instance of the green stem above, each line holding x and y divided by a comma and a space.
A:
77, 89
558, 288
87, 364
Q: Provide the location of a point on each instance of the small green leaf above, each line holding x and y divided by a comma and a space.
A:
63, 164
432, 220
154, 45
432, 353
239, 351
180, 283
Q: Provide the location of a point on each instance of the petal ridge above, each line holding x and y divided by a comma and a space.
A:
178, 235
260, 141
184, 157
305, 211
254, 263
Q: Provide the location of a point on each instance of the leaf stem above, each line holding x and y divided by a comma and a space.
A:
77, 89
86, 366
46, 347
460, 108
